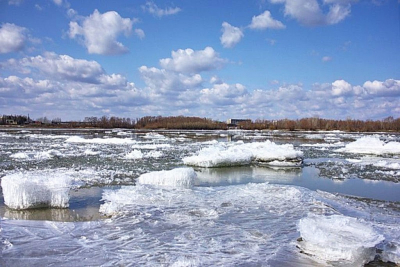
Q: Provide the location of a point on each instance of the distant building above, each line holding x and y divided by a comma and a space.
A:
11, 122
236, 122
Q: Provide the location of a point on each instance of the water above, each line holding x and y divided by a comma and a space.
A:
245, 215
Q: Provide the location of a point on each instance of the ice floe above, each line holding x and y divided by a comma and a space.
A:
239, 153
36, 155
32, 190
371, 145
107, 141
179, 177
339, 239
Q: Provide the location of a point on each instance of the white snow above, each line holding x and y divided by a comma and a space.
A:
179, 177
36, 155
33, 190
391, 253
102, 141
371, 145
135, 154
338, 238
152, 135
239, 153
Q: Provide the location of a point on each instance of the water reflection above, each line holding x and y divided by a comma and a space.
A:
308, 177
243, 175
84, 205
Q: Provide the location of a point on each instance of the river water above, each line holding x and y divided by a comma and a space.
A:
232, 216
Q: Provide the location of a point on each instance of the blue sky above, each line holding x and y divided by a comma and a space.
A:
257, 59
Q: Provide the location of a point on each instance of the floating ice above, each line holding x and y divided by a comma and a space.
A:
220, 156
238, 154
151, 146
38, 155
105, 141
338, 238
371, 145
152, 135
179, 177
391, 253
135, 154
33, 190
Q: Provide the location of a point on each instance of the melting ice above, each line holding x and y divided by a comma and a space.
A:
161, 212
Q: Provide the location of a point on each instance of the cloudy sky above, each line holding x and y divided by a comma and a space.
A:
257, 59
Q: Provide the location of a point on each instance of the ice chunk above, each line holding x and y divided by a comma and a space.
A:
276, 155
101, 141
238, 154
338, 238
30, 190
135, 154
391, 253
220, 156
179, 177
371, 145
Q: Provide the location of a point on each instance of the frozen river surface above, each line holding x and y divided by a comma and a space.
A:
198, 198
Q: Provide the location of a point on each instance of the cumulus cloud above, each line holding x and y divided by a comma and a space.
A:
265, 21
99, 32
153, 9
223, 94
310, 13
190, 61
68, 87
230, 35
389, 87
12, 38
164, 81
341, 87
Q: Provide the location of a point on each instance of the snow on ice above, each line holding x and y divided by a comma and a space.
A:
179, 177
339, 238
102, 141
371, 145
29, 190
239, 153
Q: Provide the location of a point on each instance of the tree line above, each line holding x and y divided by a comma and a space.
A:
197, 123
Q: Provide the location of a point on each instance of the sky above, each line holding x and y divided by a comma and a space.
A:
219, 59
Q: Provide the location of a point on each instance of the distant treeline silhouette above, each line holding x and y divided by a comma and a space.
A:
197, 123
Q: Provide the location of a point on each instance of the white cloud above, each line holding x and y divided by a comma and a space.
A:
326, 59
140, 33
164, 81
223, 94
58, 2
15, 2
153, 9
309, 12
230, 35
341, 87
99, 32
389, 87
190, 61
265, 21
64, 67
12, 38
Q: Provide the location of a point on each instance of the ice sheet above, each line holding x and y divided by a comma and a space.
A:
109, 141
371, 145
179, 177
239, 154
29, 190
339, 238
